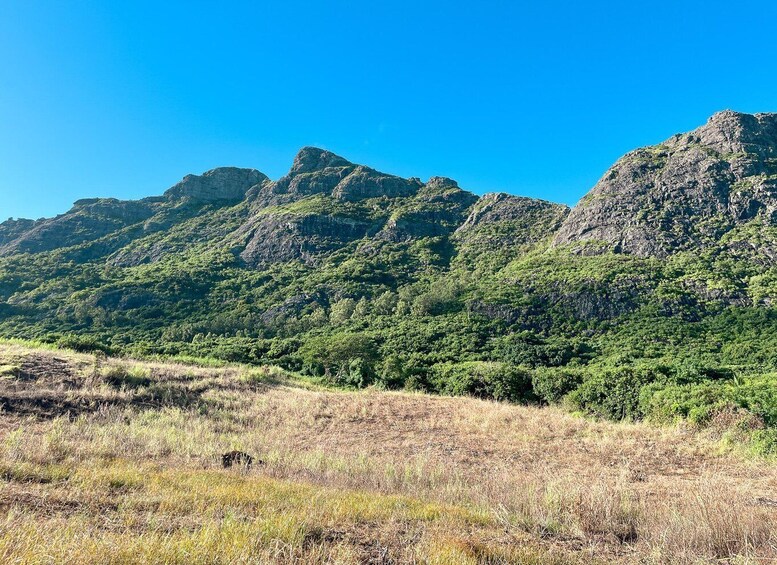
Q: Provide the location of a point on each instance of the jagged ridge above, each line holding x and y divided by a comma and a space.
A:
324, 203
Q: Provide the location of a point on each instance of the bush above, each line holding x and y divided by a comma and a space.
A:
417, 381
499, 381
698, 401
530, 350
759, 396
358, 374
313, 368
662, 403
553, 383
394, 372
336, 350
764, 442
83, 344
615, 393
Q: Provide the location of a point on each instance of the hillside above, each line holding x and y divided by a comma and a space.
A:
652, 298
115, 460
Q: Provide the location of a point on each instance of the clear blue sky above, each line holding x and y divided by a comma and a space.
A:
107, 98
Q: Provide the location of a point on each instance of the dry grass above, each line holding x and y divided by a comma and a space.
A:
118, 461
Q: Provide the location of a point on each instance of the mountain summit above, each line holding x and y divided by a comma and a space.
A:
687, 192
694, 191
311, 159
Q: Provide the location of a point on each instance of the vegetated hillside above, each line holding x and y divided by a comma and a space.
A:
119, 460
653, 297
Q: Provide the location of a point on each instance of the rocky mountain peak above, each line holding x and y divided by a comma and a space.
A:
734, 132
441, 183
223, 183
311, 159
685, 193
317, 171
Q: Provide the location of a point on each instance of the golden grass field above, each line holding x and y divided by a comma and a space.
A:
118, 461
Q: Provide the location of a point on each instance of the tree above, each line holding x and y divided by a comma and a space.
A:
342, 310
385, 304
336, 353
362, 309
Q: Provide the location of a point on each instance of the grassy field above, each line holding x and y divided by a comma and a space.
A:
118, 461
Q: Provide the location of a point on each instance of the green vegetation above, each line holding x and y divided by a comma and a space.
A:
609, 335
427, 289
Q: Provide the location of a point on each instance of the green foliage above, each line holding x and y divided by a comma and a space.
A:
764, 442
758, 395
530, 349
491, 311
697, 402
499, 381
614, 393
394, 372
553, 383
342, 311
82, 344
348, 359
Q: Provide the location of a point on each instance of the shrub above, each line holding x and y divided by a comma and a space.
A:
417, 381
358, 373
82, 344
394, 372
313, 368
662, 403
350, 357
764, 442
552, 383
499, 381
759, 396
615, 393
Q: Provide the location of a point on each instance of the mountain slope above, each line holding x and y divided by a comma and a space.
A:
663, 275
685, 193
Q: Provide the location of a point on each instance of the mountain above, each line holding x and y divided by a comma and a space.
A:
686, 193
341, 270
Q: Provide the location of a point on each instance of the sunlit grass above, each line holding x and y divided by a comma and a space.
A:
132, 474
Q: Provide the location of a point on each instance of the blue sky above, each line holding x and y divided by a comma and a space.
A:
123, 98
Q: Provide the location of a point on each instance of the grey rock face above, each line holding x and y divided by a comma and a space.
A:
684, 193
91, 219
316, 171
364, 182
224, 183
280, 238
508, 225
311, 159
276, 233
12, 229
541, 218
88, 220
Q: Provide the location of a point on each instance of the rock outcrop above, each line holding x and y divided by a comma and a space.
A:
714, 186
281, 237
685, 193
223, 183
326, 202
317, 171
88, 220
438, 208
